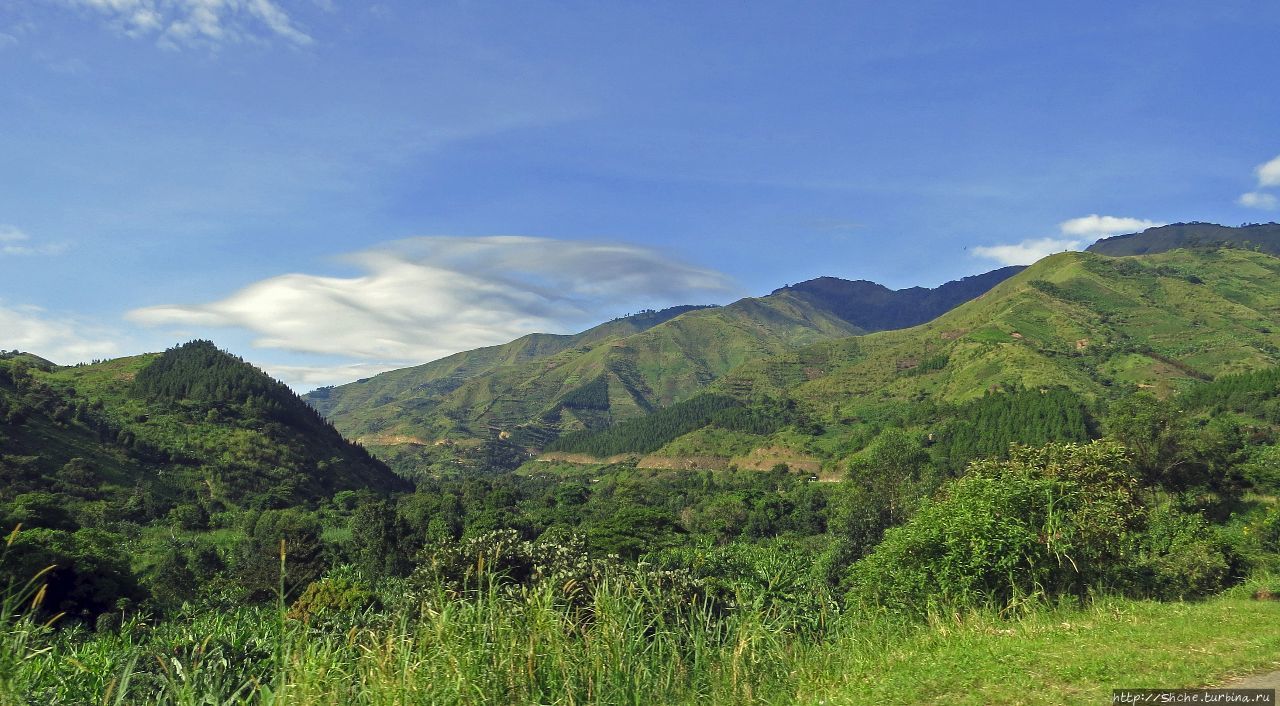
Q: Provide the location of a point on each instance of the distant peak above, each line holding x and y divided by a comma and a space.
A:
1263, 237
829, 283
874, 307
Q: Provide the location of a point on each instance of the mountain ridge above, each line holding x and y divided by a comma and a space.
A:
421, 415
1265, 237
1077, 328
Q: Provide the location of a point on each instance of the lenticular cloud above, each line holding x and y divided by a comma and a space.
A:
423, 298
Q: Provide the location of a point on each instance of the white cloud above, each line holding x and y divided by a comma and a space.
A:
13, 241
1268, 176
11, 234
1028, 251
309, 377
60, 339
423, 298
177, 23
1095, 226
1269, 173
1074, 234
1259, 199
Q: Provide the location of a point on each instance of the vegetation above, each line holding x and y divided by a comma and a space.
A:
533, 388
1264, 237
189, 532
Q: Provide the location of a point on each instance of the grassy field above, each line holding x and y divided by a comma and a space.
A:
1074, 656
497, 648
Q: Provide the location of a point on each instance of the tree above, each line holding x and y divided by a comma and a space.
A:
173, 581
631, 531
90, 574
40, 509
895, 471
294, 533
376, 534
1156, 434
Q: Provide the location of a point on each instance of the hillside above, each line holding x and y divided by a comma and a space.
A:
446, 374
192, 426
460, 411
1263, 237
1082, 326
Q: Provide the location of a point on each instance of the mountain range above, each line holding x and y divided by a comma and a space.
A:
526, 393
805, 376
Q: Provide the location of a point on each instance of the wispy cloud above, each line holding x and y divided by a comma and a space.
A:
1095, 226
179, 23
15, 242
62, 339
423, 298
1259, 199
1074, 234
1027, 251
1268, 175
309, 377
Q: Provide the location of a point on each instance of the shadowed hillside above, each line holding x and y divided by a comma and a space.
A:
193, 425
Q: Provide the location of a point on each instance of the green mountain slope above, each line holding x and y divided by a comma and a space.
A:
1263, 237
1078, 320
138, 436
456, 410
1087, 325
446, 374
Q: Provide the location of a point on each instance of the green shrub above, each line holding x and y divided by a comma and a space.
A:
89, 574
1178, 556
332, 599
1267, 531
1055, 520
1263, 469
560, 566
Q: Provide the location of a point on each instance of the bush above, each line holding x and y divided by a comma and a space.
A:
1055, 520
1178, 556
559, 566
1263, 469
332, 599
1268, 531
91, 575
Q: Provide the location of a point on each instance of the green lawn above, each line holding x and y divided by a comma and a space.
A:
1055, 657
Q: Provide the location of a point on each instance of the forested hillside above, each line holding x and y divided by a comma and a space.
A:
1046, 347
472, 408
1262, 237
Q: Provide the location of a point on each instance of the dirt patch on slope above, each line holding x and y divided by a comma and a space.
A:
764, 459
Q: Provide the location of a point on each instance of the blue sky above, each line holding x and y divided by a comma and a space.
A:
333, 188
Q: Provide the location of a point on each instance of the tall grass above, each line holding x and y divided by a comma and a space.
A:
490, 644
20, 628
